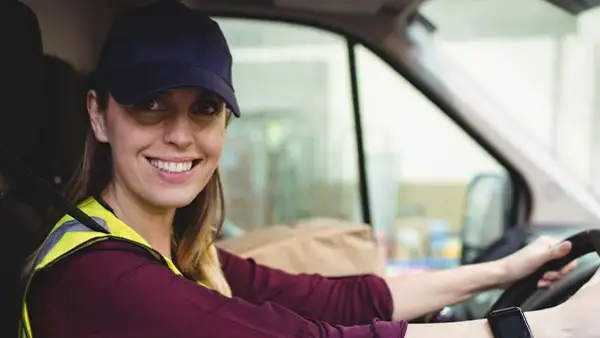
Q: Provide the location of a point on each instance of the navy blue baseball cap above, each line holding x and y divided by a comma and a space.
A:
162, 46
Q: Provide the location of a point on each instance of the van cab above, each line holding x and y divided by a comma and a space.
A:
457, 130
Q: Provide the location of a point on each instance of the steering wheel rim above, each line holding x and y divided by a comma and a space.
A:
562, 289
582, 243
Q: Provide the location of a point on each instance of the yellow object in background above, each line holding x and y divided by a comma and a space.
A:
452, 249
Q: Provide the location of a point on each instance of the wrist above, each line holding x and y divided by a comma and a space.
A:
548, 323
505, 273
497, 274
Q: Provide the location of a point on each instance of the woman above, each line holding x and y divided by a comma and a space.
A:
159, 105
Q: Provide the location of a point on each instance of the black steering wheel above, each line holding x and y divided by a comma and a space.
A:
520, 292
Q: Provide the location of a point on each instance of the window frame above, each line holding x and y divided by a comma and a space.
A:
521, 197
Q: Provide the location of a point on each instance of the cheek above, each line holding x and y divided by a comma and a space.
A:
118, 139
128, 139
212, 142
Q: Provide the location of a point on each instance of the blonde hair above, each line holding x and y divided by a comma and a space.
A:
195, 226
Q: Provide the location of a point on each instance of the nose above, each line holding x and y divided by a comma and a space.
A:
179, 131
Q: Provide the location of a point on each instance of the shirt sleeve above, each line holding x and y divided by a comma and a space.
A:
352, 300
114, 289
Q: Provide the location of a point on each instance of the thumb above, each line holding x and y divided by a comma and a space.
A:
560, 250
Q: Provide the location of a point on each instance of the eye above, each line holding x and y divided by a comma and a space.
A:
207, 105
150, 104
149, 111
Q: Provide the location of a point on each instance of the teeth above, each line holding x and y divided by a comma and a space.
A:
172, 167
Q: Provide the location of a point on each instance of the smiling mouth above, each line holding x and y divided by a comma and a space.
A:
173, 166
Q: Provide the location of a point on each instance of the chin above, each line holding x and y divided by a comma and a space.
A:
172, 199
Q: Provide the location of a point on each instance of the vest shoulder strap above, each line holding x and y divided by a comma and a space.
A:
66, 238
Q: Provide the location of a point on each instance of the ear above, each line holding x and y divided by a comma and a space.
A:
96, 116
228, 115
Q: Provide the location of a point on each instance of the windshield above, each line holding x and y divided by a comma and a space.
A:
540, 63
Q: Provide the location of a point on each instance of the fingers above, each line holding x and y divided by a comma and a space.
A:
551, 277
544, 284
568, 268
550, 249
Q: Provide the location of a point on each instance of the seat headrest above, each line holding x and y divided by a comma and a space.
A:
22, 74
64, 90
21, 67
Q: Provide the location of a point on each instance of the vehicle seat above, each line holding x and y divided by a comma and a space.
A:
64, 135
21, 114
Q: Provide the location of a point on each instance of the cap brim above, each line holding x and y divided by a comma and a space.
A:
134, 84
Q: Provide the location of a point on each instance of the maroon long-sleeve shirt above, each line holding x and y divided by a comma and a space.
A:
114, 289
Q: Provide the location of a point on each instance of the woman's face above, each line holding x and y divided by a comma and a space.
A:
165, 149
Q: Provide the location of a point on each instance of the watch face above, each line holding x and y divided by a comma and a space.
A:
509, 323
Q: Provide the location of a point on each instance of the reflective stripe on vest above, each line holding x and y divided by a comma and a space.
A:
69, 236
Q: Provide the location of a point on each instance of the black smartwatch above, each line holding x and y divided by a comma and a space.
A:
509, 323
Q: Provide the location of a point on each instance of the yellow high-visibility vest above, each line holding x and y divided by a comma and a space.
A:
70, 235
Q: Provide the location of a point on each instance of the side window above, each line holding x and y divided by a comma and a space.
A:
432, 187
293, 152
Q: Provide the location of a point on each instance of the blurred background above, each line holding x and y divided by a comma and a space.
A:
293, 155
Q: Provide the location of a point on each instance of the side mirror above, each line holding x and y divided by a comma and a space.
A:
485, 217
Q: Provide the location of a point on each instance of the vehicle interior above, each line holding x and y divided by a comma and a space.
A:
455, 134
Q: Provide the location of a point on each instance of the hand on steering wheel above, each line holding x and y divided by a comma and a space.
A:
581, 244
529, 259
